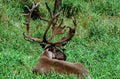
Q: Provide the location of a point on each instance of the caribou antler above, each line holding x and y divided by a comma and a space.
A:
56, 29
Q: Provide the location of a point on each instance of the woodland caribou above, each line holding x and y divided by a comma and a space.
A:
52, 57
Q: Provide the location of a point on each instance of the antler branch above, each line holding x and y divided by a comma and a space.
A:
49, 10
27, 23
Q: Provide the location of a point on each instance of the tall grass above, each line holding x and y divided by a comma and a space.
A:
107, 7
96, 43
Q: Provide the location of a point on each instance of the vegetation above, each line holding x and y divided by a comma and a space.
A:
96, 43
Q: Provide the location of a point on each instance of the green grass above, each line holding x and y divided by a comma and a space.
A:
96, 43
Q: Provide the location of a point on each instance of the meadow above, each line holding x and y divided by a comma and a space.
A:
96, 43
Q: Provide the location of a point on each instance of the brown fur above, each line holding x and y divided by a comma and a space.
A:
46, 65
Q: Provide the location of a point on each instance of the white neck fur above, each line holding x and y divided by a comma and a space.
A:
50, 54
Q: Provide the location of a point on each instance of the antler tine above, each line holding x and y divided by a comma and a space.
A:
44, 19
27, 23
49, 10
74, 21
27, 8
33, 7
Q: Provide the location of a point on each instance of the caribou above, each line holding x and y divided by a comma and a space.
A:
53, 58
